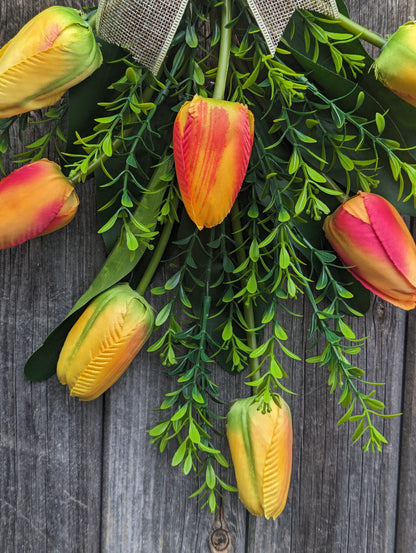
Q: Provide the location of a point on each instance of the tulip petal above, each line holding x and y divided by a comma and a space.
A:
46, 75
113, 351
278, 464
212, 143
395, 66
248, 463
397, 242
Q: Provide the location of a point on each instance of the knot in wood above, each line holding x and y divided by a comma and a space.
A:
220, 540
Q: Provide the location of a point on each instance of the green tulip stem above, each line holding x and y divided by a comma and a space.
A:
341, 196
248, 304
224, 55
360, 31
158, 253
218, 94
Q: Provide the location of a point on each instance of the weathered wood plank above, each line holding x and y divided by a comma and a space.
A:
406, 531
341, 499
50, 446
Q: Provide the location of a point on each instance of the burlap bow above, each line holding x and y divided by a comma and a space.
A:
146, 27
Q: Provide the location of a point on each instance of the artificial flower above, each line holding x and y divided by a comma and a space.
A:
104, 341
396, 65
261, 451
212, 141
35, 199
53, 52
372, 240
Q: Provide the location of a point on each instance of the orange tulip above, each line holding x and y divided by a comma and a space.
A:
104, 341
212, 141
372, 240
261, 450
53, 52
35, 199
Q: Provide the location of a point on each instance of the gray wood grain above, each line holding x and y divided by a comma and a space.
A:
84, 477
50, 446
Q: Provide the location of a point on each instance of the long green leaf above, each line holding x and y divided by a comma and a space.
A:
121, 261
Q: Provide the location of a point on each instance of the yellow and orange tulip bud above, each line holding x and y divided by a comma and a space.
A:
372, 240
261, 451
104, 341
395, 67
212, 142
35, 199
52, 52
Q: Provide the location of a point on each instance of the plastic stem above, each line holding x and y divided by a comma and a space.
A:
358, 30
218, 94
224, 55
157, 254
248, 304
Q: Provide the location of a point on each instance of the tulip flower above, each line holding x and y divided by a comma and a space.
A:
372, 240
261, 451
212, 141
104, 341
52, 52
35, 199
395, 67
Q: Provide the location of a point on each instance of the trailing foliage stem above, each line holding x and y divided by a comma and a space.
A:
224, 55
335, 349
248, 303
119, 142
360, 31
158, 252
95, 165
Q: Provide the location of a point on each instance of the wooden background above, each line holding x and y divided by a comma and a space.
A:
84, 477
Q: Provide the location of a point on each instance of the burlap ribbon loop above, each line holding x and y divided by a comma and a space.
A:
147, 27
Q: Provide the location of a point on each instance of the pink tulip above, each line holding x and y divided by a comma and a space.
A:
35, 199
374, 243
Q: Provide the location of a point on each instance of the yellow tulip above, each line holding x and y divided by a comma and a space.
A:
212, 142
53, 52
261, 451
104, 341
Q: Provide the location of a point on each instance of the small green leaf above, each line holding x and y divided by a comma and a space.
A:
179, 454
359, 431
194, 433
191, 37
346, 416
163, 314
180, 413
199, 76
210, 477
380, 122
159, 429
